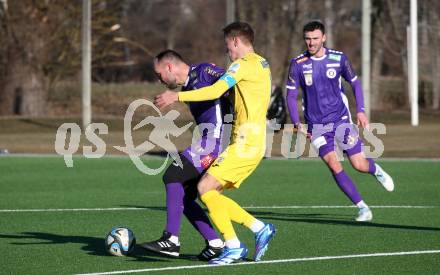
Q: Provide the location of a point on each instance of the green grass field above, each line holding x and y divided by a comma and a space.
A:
280, 191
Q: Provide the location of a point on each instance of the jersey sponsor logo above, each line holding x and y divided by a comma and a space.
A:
331, 73
330, 65
308, 77
335, 57
299, 61
234, 68
207, 160
334, 51
212, 72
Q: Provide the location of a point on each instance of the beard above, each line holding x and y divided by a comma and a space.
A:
315, 50
172, 83
172, 86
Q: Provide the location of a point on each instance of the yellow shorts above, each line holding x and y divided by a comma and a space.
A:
235, 164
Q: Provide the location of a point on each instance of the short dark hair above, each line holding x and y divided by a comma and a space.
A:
314, 25
168, 55
239, 29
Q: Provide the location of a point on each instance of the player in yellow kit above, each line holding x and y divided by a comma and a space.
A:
249, 74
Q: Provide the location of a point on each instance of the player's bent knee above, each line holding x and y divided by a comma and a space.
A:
359, 163
335, 166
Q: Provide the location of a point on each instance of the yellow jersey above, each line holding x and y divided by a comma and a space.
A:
250, 76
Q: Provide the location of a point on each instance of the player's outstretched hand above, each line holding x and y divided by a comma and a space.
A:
166, 98
362, 120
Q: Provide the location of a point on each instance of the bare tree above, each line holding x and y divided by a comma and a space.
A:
377, 56
278, 36
42, 44
433, 26
329, 22
25, 27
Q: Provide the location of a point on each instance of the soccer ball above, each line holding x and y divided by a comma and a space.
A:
120, 241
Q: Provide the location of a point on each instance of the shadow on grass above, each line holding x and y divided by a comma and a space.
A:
316, 218
153, 208
332, 219
92, 245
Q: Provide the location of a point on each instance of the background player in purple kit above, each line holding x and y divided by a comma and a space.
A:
181, 182
318, 73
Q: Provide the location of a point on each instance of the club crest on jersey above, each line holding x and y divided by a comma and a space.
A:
331, 73
309, 79
307, 66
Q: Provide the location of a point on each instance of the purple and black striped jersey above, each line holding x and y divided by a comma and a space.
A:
320, 79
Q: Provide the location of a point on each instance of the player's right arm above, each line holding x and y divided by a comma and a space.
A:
292, 93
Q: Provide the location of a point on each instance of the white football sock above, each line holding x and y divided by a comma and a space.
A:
361, 204
233, 243
174, 240
256, 226
216, 243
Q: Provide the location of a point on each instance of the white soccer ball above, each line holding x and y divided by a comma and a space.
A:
120, 241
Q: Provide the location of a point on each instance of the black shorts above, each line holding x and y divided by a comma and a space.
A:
187, 175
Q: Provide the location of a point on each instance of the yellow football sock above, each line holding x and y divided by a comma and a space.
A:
218, 211
238, 214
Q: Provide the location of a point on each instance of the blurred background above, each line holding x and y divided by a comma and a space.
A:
40, 59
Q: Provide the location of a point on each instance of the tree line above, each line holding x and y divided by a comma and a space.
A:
41, 42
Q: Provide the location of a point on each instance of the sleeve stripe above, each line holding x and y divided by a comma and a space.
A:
354, 78
230, 80
290, 87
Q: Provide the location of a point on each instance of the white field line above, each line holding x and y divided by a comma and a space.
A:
292, 260
246, 207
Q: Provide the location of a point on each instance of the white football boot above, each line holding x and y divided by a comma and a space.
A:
364, 215
384, 178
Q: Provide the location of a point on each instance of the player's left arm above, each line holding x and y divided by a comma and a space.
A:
206, 93
211, 73
235, 73
226, 81
350, 76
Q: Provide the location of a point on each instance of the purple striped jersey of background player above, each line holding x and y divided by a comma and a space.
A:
212, 112
323, 94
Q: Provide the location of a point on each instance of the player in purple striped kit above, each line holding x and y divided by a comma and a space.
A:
318, 73
181, 182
